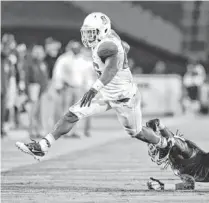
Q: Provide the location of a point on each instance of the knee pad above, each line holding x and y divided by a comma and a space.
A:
71, 117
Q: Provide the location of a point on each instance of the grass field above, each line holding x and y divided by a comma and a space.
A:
116, 171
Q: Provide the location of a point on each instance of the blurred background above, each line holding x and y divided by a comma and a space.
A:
45, 68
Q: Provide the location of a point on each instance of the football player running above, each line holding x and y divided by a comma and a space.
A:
114, 89
186, 159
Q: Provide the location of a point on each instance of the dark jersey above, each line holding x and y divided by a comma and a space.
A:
187, 158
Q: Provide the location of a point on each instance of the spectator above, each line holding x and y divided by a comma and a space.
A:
55, 97
204, 97
62, 79
88, 76
193, 80
11, 79
3, 90
160, 68
21, 63
69, 77
131, 64
36, 83
52, 48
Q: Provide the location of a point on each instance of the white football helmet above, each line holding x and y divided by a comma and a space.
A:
95, 27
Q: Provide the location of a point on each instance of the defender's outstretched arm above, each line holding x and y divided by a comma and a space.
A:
188, 183
180, 146
108, 53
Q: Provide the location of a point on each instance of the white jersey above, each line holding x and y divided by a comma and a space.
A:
122, 85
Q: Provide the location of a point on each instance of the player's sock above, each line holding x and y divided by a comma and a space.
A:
162, 143
46, 142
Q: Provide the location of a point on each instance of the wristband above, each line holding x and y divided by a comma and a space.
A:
98, 85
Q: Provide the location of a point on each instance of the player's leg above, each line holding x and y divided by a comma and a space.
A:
130, 116
63, 126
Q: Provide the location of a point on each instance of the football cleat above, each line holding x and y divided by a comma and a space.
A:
153, 124
33, 148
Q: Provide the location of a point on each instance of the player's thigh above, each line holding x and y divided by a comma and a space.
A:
130, 115
96, 107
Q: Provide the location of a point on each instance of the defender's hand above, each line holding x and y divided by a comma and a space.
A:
155, 184
87, 98
153, 124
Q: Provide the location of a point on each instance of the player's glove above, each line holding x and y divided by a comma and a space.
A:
87, 98
155, 184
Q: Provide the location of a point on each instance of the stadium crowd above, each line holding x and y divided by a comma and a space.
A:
40, 82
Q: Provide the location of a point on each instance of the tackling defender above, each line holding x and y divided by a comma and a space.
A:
114, 89
186, 159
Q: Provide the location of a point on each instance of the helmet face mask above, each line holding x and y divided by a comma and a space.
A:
154, 153
96, 26
89, 36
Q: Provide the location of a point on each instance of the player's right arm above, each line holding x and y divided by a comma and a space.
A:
180, 146
108, 53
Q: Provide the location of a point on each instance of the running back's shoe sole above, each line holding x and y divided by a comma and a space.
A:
24, 148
